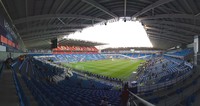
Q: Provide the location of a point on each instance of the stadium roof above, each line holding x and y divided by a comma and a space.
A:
73, 42
135, 48
167, 22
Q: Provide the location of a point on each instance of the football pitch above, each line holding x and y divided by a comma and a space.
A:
115, 68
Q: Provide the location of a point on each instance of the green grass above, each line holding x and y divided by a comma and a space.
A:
117, 68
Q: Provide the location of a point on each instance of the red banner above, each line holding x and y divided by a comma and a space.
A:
4, 39
9, 43
1, 38
74, 49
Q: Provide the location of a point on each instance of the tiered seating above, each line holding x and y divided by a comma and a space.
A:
65, 92
79, 81
134, 55
139, 55
67, 96
180, 53
162, 69
46, 57
79, 57
175, 60
8, 93
188, 88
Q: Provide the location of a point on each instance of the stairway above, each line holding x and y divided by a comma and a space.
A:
8, 94
27, 92
25, 89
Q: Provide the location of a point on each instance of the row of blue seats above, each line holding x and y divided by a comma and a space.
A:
80, 81
180, 53
188, 100
78, 57
59, 94
138, 55
74, 80
171, 71
24, 101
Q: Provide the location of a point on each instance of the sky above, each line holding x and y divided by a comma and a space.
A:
115, 34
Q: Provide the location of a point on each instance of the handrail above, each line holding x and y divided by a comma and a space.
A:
23, 99
18, 89
175, 56
22, 64
1, 68
167, 83
146, 103
164, 84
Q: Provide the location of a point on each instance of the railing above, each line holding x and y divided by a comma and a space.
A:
22, 97
176, 56
188, 89
163, 85
1, 67
137, 101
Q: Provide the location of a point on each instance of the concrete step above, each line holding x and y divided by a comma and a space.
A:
8, 94
27, 92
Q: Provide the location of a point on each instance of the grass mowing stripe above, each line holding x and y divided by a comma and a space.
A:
107, 71
126, 73
108, 66
101, 63
117, 68
120, 68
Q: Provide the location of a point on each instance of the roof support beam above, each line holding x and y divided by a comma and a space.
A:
47, 32
186, 16
45, 36
188, 6
57, 10
100, 7
172, 23
125, 3
169, 32
51, 31
167, 35
50, 16
52, 27
171, 28
156, 37
43, 44
14, 27
35, 39
164, 36
61, 21
146, 1
152, 6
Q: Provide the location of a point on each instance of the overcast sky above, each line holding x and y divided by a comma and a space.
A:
116, 34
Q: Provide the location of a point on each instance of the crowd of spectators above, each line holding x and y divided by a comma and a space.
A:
160, 69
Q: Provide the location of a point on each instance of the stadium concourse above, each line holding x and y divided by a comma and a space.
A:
38, 67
